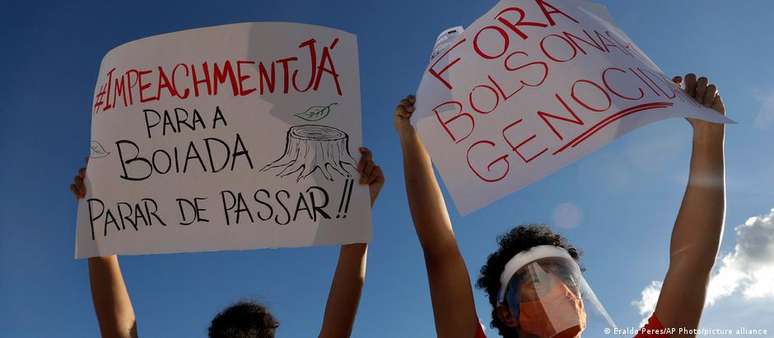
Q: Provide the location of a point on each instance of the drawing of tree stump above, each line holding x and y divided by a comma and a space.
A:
311, 147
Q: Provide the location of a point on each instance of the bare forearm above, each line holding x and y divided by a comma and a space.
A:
695, 240
344, 296
111, 299
450, 289
699, 225
428, 209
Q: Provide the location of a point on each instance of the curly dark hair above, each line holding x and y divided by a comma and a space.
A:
245, 319
520, 238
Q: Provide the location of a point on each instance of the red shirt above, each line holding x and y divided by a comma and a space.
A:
652, 329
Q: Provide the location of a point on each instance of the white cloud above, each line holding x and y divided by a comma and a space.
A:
648, 298
738, 312
765, 115
748, 270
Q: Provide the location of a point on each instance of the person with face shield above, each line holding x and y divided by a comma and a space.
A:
540, 290
533, 280
546, 294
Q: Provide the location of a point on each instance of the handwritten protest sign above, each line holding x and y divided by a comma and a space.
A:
530, 87
231, 137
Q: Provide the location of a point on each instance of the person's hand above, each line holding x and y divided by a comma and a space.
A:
370, 173
77, 187
403, 112
707, 95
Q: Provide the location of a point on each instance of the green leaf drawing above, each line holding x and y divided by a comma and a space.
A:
316, 113
97, 150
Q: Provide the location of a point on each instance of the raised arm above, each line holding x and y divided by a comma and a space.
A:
108, 290
699, 225
450, 289
348, 280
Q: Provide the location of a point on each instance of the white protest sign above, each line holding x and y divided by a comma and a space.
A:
239, 136
530, 87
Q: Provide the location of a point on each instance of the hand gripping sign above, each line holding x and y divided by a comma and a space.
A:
530, 87
231, 137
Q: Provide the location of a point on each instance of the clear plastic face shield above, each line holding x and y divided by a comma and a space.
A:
546, 293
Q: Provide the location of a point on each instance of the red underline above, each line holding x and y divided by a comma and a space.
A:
610, 119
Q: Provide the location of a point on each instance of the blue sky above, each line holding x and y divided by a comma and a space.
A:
627, 193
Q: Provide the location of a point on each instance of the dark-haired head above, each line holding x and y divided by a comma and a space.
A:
245, 319
519, 239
